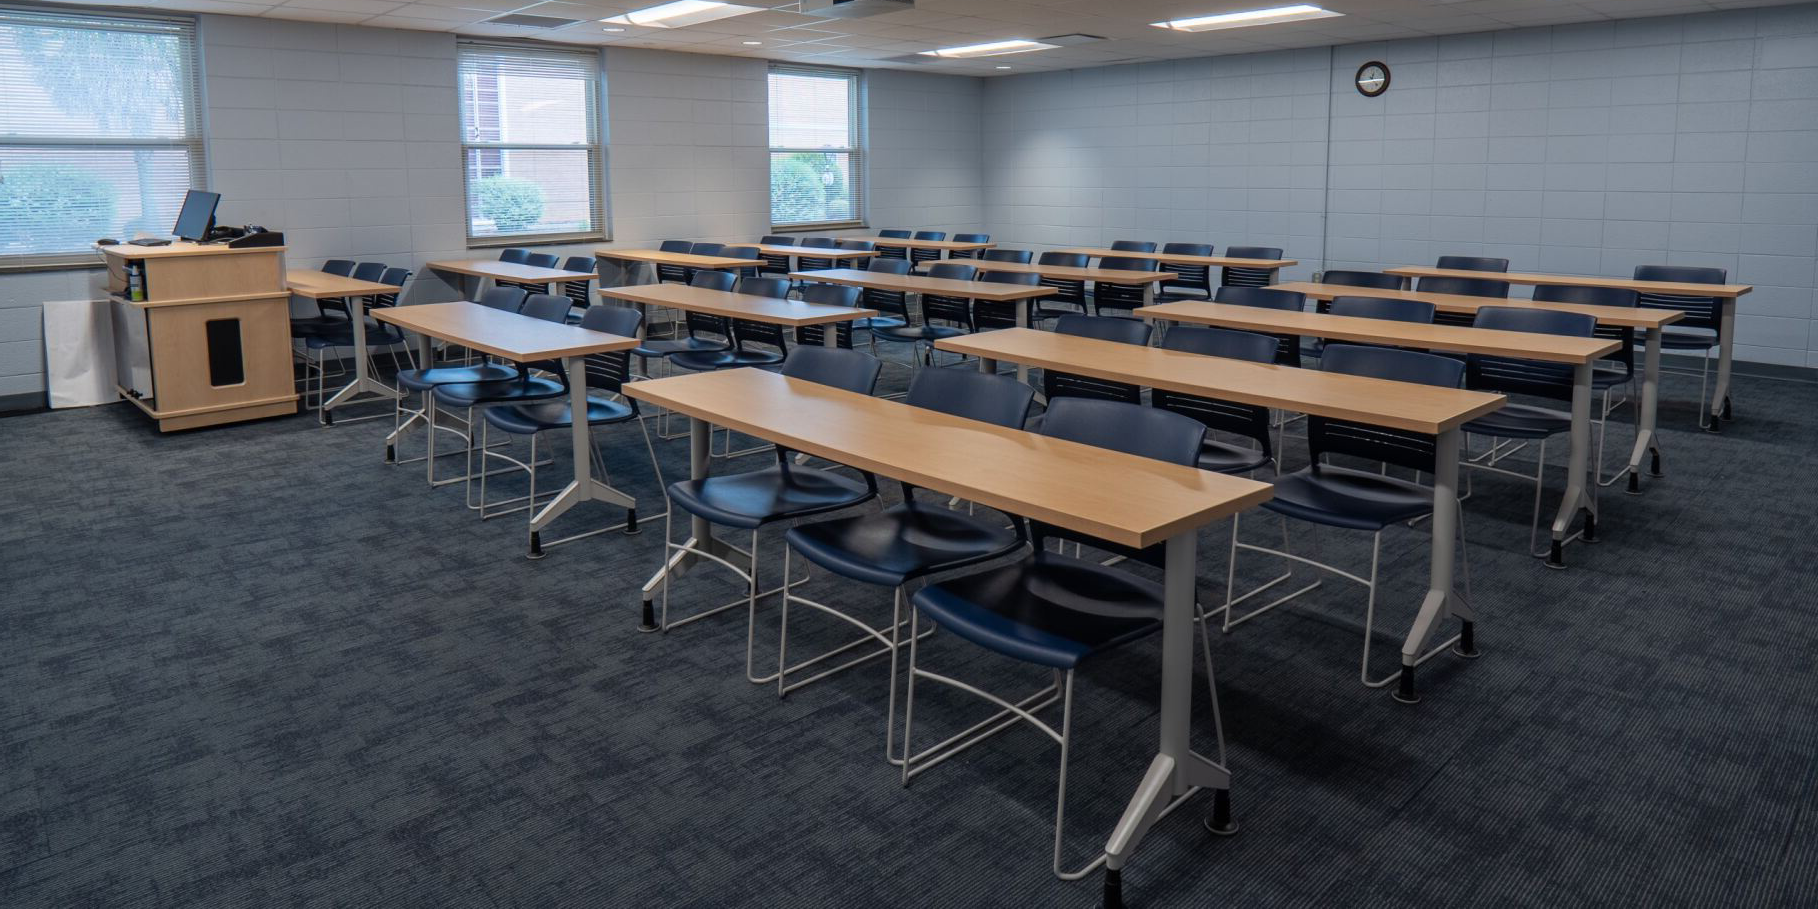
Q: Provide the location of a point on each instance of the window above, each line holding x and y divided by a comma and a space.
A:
530, 144
99, 131
816, 160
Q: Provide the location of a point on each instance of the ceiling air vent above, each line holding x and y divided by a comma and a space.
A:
523, 21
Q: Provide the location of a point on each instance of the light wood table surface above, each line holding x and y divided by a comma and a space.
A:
523, 339
749, 307
1579, 353
318, 285
947, 246
1650, 321
473, 274
1725, 295
1069, 273
1182, 258
813, 252
1055, 481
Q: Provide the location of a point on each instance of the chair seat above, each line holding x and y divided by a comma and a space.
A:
467, 394
341, 335
1603, 377
1521, 421
706, 360
891, 547
526, 419
755, 498
1169, 296
918, 333
425, 379
666, 346
1342, 497
1686, 339
1224, 457
314, 325
1048, 609
874, 323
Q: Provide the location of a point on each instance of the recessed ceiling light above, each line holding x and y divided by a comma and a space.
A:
753, 43
1003, 67
1247, 18
991, 49
682, 13
612, 29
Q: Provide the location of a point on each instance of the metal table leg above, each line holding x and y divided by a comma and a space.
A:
363, 382
1575, 495
1442, 598
1646, 440
425, 351
1720, 397
583, 488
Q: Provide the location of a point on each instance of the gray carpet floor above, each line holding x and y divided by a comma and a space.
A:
255, 665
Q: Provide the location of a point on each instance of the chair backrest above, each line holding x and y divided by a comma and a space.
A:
1598, 296
608, 371
857, 245
1220, 342
1375, 280
958, 271
1389, 308
1188, 249
368, 271
1700, 312
1104, 328
1127, 427
707, 249
548, 307
1058, 384
894, 234
1133, 245
1120, 295
889, 266
852, 370
1025, 278
676, 246
930, 235
577, 288
1287, 347
578, 263
1197, 277
1470, 287
980, 396
1063, 259
1473, 263
713, 280
764, 287
342, 267
1126, 263
971, 238
1019, 256
740, 252
1248, 420
514, 255
1250, 277
395, 276
829, 295
820, 242
509, 299
542, 260
1402, 448
777, 240
1529, 377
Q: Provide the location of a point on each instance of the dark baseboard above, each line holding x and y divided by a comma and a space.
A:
30, 402
1742, 368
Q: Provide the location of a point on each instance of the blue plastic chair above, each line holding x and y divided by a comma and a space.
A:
1603, 378
829, 295
1018, 256
1120, 297
1473, 263
1287, 351
1375, 280
918, 256
1701, 329
968, 238
1248, 420
1057, 384
956, 312
1069, 292
676, 273
775, 265
990, 314
1246, 276
1133, 246
1190, 282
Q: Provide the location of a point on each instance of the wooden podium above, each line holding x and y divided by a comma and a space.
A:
201, 332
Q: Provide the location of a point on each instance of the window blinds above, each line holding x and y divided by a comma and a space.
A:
100, 132
816, 156
530, 142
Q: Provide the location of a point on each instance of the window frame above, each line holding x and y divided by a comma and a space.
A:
598, 202
856, 141
194, 141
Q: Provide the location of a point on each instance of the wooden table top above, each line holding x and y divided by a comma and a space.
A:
1453, 338
1069, 273
1378, 402
917, 284
500, 333
944, 245
735, 305
319, 284
182, 248
1619, 316
1115, 496
1182, 259
1730, 291
821, 252
508, 271
660, 257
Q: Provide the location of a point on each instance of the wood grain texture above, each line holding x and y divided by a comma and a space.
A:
1450, 338
735, 305
316, 285
181, 248
660, 257
180, 356
502, 334
1181, 259
917, 284
507, 271
1730, 291
1378, 402
1119, 497
1617, 316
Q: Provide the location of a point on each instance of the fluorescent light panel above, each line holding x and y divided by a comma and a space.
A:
682, 13
991, 49
1247, 18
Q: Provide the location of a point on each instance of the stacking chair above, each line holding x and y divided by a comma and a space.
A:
775, 265
893, 304
1190, 282
1473, 263
1250, 421
1352, 499
893, 252
1470, 287
1288, 353
1389, 308
753, 500
854, 246
990, 314
955, 312
369, 271
1054, 612
1701, 329
918, 256
426, 376
338, 333
745, 252
903, 544
766, 286
1133, 246
1374, 280
533, 382
1526, 422
703, 333
828, 295
606, 405
1249, 277
1018, 256
1603, 378
1120, 297
703, 249
329, 310
968, 238
1067, 291
341, 267
534, 260
816, 263
1057, 384
578, 290
742, 333
676, 273
515, 255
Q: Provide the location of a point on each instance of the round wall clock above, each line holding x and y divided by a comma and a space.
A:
1372, 79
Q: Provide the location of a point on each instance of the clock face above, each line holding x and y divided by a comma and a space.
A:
1372, 79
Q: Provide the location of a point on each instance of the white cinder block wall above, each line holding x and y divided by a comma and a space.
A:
1582, 149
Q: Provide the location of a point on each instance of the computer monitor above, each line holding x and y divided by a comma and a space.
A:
197, 216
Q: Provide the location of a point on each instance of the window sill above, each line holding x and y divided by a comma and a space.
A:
812, 228
538, 240
72, 263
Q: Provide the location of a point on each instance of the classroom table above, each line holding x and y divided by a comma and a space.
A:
474, 272
749, 307
525, 340
1181, 258
1725, 294
993, 291
630, 259
946, 246
1147, 279
320, 285
1409, 406
1021, 473
813, 252
1579, 353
